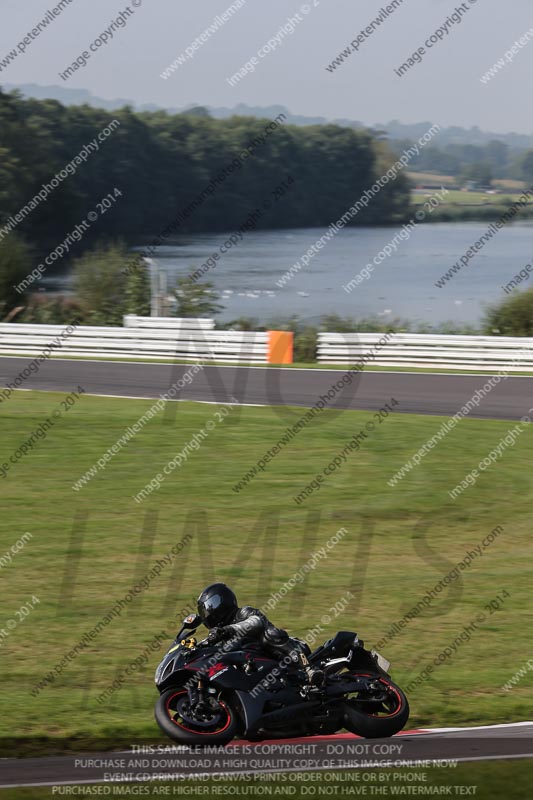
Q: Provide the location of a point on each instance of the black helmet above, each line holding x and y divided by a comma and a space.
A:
216, 605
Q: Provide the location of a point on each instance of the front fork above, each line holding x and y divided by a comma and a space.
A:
200, 697
196, 693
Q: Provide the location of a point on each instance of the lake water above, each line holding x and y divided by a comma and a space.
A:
403, 285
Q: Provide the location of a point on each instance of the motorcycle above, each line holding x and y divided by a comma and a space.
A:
211, 693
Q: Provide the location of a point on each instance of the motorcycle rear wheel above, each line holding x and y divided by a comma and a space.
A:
379, 720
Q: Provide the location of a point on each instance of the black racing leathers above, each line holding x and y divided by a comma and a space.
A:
251, 623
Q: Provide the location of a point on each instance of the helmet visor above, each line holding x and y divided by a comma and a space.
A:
213, 609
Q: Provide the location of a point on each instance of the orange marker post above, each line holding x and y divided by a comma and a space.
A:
280, 347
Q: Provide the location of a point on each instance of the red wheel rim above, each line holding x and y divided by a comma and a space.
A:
392, 690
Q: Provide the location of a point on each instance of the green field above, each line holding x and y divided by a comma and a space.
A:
89, 547
433, 179
455, 197
457, 205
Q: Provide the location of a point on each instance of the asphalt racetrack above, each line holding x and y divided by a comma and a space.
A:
416, 393
168, 761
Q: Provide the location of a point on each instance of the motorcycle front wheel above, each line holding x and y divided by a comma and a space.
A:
212, 725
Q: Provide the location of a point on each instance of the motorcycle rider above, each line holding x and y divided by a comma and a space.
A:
220, 613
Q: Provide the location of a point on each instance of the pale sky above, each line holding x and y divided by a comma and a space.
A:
444, 88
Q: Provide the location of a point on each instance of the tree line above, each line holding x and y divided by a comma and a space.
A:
145, 172
162, 162
482, 163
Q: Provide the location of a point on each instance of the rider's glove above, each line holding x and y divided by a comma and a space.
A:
213, 636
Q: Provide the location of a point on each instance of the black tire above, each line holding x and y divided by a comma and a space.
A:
166, 717
372, 726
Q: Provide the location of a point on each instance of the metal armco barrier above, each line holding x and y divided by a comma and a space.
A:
513, 354
182, 341
172, 323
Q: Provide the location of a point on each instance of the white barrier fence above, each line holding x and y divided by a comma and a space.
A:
191, 340
183, 342
513, 354
172, 323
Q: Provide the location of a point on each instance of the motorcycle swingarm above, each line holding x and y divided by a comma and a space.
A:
349, 684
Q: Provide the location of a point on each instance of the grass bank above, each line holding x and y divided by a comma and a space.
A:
88, 548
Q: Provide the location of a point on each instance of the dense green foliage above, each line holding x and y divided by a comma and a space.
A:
513, 316
53, 311
162, 162
137, 291
105, 290
456, 212
196, 299
15, 263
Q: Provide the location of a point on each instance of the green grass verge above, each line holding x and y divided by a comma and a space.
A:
490, 781
401, 541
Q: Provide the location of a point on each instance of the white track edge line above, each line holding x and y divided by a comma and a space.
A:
267, 367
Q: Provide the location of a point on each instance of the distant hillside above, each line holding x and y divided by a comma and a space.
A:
393, 129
